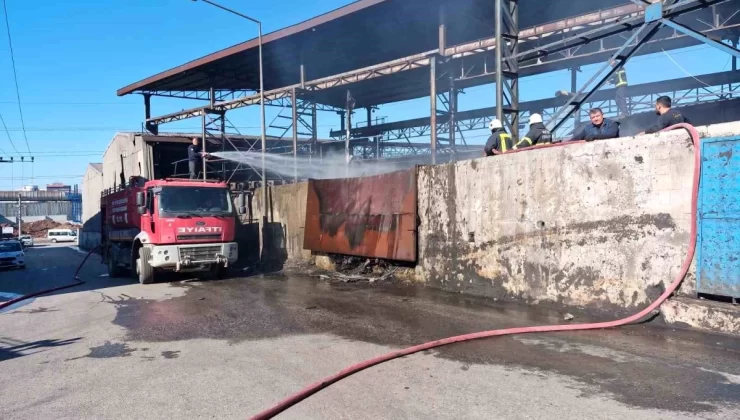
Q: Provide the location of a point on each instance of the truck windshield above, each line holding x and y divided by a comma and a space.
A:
193, 201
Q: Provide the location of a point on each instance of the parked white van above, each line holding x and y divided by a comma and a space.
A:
61, 235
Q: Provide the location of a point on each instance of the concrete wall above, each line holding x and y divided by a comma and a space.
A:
92, 186
603, 223
286, 218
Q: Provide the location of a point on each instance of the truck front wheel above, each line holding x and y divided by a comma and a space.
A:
144, 269
218, 271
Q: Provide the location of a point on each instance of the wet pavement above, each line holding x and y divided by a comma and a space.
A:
253, 340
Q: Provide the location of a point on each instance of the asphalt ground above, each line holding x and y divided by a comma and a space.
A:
193, 348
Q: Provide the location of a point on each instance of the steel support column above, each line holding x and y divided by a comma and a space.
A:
453, 111
507, 66
573, 88
347, 137
204, 137
294, 103
433, 107
152, 128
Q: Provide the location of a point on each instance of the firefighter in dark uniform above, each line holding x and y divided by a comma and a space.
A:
619, 80
538, 134
499, 140
195, 158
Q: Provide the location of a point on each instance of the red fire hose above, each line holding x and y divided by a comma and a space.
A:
318, 386
43, 292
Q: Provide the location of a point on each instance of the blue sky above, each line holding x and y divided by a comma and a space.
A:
72, 56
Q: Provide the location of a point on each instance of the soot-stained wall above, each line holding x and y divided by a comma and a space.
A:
604, 223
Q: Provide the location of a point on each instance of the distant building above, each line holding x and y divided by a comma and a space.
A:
30, 188
59, 187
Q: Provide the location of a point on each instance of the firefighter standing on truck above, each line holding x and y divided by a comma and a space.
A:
537, 134
499, 140
195, 158
619, 80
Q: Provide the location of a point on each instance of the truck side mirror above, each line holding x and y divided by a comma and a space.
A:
141, 209
140, 198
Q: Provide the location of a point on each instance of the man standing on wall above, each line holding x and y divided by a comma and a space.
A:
195, 158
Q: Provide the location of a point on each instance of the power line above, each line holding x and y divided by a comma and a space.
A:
44, 177
15, 75
8, 133
72, 103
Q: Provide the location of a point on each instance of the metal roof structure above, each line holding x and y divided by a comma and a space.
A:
361, 34
374, 52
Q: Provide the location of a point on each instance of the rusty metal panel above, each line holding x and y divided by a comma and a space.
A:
372, 217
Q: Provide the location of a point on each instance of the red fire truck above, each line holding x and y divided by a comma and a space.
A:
168, 225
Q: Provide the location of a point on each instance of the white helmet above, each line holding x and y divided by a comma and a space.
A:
494, 124
535, 118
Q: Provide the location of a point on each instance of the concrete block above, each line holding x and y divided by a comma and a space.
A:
661, 167
702, 314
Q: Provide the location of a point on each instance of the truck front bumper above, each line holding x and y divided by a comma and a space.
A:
195, 256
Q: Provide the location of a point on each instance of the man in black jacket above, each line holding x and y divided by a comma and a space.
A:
195, 158
667, 115
600, 128
537, 134
499, 140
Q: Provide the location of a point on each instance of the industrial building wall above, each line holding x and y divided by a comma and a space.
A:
92, 185
129, 147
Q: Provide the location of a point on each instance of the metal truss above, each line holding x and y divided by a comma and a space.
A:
656, 16
203, 95
286, 103
507, 65
566, 38
685, 92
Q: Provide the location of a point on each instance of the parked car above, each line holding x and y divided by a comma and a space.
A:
12, 255
26, 240
61, 235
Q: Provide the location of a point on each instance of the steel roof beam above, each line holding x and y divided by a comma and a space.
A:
423, 59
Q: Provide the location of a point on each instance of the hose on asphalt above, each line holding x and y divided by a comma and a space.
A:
351, 370
76, 278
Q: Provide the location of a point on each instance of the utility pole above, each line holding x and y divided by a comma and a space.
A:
20, 221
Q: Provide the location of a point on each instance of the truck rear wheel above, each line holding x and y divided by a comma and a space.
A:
144, 269
114, 270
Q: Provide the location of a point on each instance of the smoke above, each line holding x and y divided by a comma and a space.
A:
329, 166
